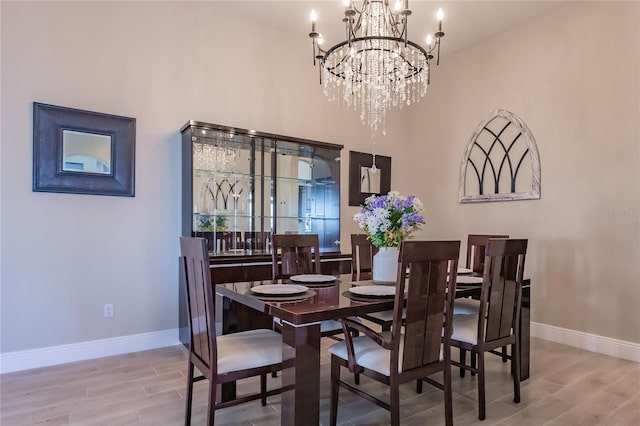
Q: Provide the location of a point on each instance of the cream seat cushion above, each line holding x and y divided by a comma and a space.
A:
466, 307
465, 328
368, 354
248, 349
330, 325
386, 315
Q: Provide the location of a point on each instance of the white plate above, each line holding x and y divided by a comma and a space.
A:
464, 271
468, 280
313, 278
279, 289
374, 290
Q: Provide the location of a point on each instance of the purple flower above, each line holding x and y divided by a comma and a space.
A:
411, 219
379, 202
409, 201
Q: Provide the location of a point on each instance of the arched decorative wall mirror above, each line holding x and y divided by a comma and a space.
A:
82, 152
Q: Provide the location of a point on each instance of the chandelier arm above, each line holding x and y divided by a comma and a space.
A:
351, 31
405, 31
359, 11
313, 42
358, 24
392, 22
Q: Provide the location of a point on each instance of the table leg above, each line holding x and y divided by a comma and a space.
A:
227, 390
525, 331
301, 404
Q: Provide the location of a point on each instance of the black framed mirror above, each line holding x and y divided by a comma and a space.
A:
363, 181
83, 152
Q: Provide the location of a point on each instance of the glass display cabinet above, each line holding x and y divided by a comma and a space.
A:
241, 186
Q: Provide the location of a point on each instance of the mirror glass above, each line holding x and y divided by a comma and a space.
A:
86, 152
369, 180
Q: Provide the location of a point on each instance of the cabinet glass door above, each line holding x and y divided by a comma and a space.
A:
246, 186
308, 192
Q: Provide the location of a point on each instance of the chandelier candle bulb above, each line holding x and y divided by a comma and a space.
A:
440, 17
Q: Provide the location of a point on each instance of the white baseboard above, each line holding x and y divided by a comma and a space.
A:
43, 357
590, 342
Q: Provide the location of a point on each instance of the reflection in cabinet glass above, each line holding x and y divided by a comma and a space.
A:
242, 186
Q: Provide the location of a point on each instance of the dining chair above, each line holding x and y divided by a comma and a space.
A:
224, 358
476, 245
496, 323
226, 241
295, 254
393, 357
257, 240
362, 252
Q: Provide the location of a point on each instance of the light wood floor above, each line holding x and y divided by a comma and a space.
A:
568, 387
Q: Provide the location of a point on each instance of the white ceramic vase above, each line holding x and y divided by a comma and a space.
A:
385, 265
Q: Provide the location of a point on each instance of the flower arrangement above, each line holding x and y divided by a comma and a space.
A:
390, 219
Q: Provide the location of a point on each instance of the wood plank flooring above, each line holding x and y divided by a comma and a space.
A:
568, 386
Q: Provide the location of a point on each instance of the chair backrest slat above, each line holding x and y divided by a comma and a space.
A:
362, 252
476, 244
295, 254
502, 286
200, 298
429, 298
256, 240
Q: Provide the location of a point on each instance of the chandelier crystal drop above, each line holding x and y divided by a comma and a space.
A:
377, 67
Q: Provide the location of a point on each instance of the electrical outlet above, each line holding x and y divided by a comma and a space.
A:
108, 310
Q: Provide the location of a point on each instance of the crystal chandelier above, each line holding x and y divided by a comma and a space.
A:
377, 67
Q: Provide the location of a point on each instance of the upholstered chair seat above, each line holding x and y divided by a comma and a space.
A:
466, 307
384, 316
248, 349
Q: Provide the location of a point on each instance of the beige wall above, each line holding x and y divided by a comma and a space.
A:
63, 255
165, 63
573, 76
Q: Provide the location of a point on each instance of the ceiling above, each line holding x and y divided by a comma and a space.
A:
465, 22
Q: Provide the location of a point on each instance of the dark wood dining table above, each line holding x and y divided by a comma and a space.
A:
301, 317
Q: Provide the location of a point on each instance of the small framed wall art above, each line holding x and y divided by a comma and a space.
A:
363, 181
83, 152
